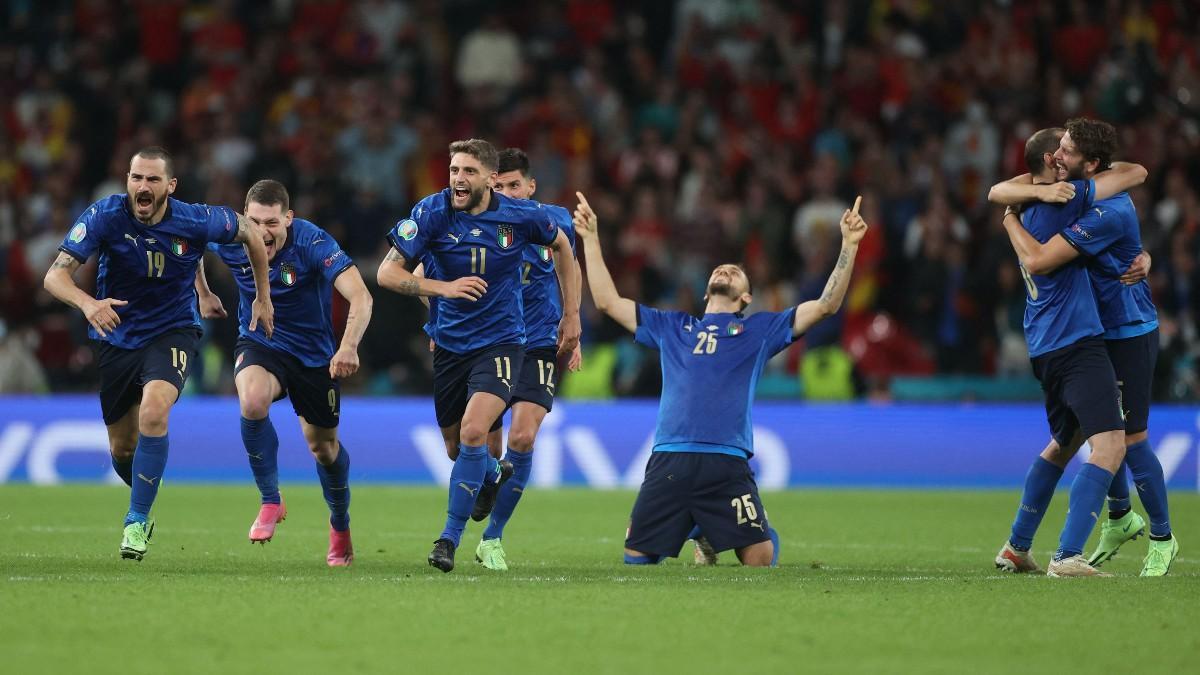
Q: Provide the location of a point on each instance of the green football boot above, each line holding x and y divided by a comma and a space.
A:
1160, 557
136, 540
491, 554
1113, 533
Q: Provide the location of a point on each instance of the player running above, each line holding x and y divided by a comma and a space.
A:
299, 361
477, 239
699, 472
1107, 239
533, 395
144, 314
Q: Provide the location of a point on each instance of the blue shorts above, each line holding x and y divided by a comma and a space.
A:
1081, 390
682, 489
123, 372
539, 377
315, 396
1133, 360
458, 377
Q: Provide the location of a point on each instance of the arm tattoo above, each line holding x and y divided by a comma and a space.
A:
843, 260
827, 295
409, 287
243, 233
394, 256
63, 261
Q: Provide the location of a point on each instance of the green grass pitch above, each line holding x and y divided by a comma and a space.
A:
871, 582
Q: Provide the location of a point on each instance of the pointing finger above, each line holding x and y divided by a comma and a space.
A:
857, 203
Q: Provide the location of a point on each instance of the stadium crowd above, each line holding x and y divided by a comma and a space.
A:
703, 131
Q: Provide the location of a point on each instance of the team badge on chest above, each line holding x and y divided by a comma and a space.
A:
504, 236
179, 246
544, 253
287, 274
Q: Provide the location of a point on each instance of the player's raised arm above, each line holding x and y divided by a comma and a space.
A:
854, 228
565, 269
211, 306
262, 310
1035, 257
350, 284
576, 361
60, 282
1022, 189
1119, 177
394, 275
604, 292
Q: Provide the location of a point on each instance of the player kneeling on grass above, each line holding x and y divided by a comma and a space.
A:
299, 361
699, 472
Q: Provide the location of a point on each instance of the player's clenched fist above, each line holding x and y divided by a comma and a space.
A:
584, 218
1056, 193
465, 288
344, 363
854, 228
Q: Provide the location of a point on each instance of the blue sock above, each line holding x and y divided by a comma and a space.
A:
491, 470
149, 461
262, 448
695, 533
642, 559
511, 493
335, 483
465, 480
774, 540
1087, 500
124, 470
1118, 492
1151, 486
1040, 482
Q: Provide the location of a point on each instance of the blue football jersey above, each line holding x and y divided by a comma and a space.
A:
1060, 307
301, 276
1109, 235
153, 268
710, 367
488, 245
539, 286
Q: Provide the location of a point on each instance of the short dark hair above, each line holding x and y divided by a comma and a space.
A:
157, 152
1096, 140
1041, 142
268, 193
479, 149
513, 159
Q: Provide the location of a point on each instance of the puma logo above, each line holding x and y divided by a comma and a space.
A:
132, 238
506, 383
454, 237
758, 525
468, 489
149, 480
517, 489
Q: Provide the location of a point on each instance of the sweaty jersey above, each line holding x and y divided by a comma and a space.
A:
1109, 237
488, 245
1060, 308
152, 267
539, 286
710, 367
301, 276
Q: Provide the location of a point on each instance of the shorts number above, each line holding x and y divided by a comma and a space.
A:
1029, 285
706, 343
525, 268
478, 260
745, 508
178, 357
155, 262
546, 372
503, 368
332, 401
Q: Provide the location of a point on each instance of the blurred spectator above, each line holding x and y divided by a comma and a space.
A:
703, 131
